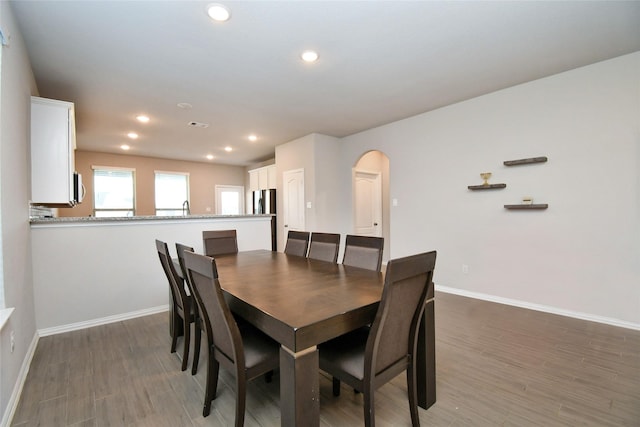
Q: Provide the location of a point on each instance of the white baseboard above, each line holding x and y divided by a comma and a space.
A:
101, 321
539, 307
12, 405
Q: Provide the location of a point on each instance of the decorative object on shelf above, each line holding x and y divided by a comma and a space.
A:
525, 161
485, 185
485, 176
531, 206
527, 201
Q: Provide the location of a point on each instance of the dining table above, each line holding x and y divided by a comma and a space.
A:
301, 303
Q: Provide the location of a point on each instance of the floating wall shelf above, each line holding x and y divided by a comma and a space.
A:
523, 206
486, 187
525, 161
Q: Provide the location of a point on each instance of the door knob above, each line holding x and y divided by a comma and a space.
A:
375, 224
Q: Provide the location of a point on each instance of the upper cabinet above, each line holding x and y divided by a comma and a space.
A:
53, 142
263, 178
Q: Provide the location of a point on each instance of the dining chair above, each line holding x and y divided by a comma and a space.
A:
297, 243
220, 242
182, 304
363, 252
324, 247
181, 249
367, 358
246, 352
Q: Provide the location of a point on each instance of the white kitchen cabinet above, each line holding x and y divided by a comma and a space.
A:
53, 142
271, 177
263, 178
254, 183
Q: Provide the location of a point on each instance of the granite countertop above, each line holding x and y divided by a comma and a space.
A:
93, 219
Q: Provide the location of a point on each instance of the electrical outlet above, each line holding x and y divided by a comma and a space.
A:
13, 341
465, 269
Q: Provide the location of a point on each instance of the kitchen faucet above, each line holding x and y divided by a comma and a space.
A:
185, 207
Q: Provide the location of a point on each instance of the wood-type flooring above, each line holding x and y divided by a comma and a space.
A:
497, 365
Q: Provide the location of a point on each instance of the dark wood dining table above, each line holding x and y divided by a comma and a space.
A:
301, 303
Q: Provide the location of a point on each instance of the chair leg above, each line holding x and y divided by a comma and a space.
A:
213, 368
196, 349
369, 415
336, 387
412, 391
241, 395
187, 342
174, 326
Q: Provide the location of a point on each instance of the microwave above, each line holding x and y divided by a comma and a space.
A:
78, 189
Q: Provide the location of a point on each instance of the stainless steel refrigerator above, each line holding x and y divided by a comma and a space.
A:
264, 202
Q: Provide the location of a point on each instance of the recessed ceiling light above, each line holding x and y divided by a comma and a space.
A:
132, 135
252, 138
185, 105
218, 12
228, 149
210, 156
309, 56
142, 118
124, 147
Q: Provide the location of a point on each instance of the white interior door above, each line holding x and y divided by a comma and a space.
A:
368, 203
293, 200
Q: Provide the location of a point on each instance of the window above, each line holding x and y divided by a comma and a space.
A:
229, 200
172, 193
113, 192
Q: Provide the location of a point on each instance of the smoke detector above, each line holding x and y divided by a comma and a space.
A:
198, 125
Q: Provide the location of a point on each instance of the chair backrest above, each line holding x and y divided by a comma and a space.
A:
393, 336
324, 247
176, 285
363, 252
297, 243
222, 332
181, 249
220, 242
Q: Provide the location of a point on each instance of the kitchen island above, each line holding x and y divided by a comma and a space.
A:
89, 270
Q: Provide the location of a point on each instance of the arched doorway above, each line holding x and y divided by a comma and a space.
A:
371, 207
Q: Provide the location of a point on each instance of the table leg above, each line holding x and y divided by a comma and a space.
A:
299, 388
426, 357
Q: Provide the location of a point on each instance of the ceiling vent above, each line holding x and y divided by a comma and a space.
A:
198, 125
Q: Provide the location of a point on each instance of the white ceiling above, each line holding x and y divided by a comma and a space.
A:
380, 61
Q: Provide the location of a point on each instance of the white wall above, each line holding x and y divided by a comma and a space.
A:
85, 273
327, 198
582, 255
293, 155
17, 85
324, 182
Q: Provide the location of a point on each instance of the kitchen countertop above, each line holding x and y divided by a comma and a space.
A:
93, 219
